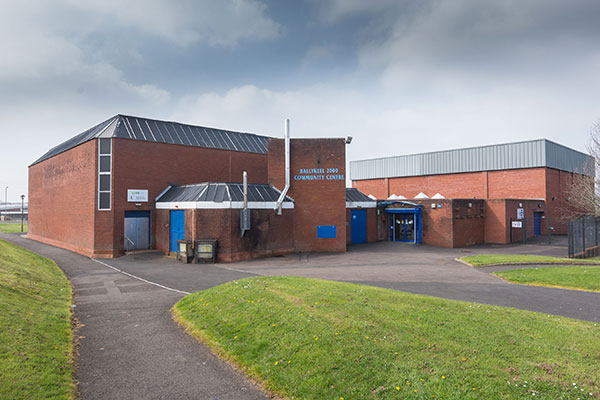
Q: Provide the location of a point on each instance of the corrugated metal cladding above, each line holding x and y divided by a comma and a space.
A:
150, 130
219, 192
530, 154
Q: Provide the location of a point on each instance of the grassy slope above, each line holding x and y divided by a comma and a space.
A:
487, 259
12, 228
36, 342
578, 277
315, 339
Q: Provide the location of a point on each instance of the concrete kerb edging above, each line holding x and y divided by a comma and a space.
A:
523, 263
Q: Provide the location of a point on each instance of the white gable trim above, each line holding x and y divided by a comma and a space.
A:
361, 204
238, 205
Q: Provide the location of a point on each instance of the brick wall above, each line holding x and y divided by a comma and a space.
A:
62, 199
317, 202
269, 233
376, 187
153, 166
495, 221
505, 184
468, 224
437, 222
498, 215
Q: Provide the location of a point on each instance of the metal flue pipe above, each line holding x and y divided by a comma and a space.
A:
245, 186
287, 168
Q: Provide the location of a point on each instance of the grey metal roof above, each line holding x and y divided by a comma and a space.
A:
355, 195
219, 192
528, 154
151, 130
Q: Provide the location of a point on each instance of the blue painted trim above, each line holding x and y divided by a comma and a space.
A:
402, 210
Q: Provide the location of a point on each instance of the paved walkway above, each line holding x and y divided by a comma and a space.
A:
129, 347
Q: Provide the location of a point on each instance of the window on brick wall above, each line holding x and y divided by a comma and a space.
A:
104, 173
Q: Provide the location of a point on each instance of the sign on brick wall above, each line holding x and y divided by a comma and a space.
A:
137, 195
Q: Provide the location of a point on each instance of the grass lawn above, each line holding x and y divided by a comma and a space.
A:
314, 339
578, 277
487, 259
12, 228
36, 341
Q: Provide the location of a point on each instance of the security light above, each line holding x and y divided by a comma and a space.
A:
349, 140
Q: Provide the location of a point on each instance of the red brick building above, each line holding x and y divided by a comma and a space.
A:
471, 196
111, 188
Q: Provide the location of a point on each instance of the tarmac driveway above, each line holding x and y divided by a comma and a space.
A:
400, 266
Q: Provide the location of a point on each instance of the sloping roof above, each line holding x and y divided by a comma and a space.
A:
355, 198
355, 195
151, 130
220, 192
527, 154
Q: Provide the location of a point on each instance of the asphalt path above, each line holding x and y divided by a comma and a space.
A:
416, 269
129, 347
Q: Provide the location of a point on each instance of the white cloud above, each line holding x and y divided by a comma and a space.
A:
391, 124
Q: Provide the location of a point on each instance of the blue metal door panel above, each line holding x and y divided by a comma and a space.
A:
177, 227
358, 226
537, 223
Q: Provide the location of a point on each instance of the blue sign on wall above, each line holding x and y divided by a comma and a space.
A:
326, 232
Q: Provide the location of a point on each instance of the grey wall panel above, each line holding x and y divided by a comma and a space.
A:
530, 154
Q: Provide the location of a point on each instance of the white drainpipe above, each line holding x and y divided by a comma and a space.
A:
245, 186
287, 168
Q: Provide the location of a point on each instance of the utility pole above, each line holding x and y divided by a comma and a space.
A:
5, 202
22, 205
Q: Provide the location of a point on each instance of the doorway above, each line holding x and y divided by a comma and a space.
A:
537, 223
358, 226
402, 227
136, 230
177, 228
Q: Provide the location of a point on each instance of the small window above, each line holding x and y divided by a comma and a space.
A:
104, 163
105, 146
104, 201
105, 183
104, 173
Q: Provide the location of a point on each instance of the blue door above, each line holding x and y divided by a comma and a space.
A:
358, 226
177, 228
537, 223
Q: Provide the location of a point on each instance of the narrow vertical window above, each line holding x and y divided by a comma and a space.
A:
104, 172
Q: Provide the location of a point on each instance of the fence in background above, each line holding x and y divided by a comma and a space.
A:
584, 237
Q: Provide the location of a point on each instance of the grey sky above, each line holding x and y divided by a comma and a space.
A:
399, 76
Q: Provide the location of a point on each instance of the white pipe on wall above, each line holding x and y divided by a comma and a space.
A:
245, 185
287, 167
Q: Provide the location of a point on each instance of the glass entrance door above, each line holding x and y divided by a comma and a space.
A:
403, 228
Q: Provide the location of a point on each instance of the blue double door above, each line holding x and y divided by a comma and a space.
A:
358, 226
403, 227
177, 224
